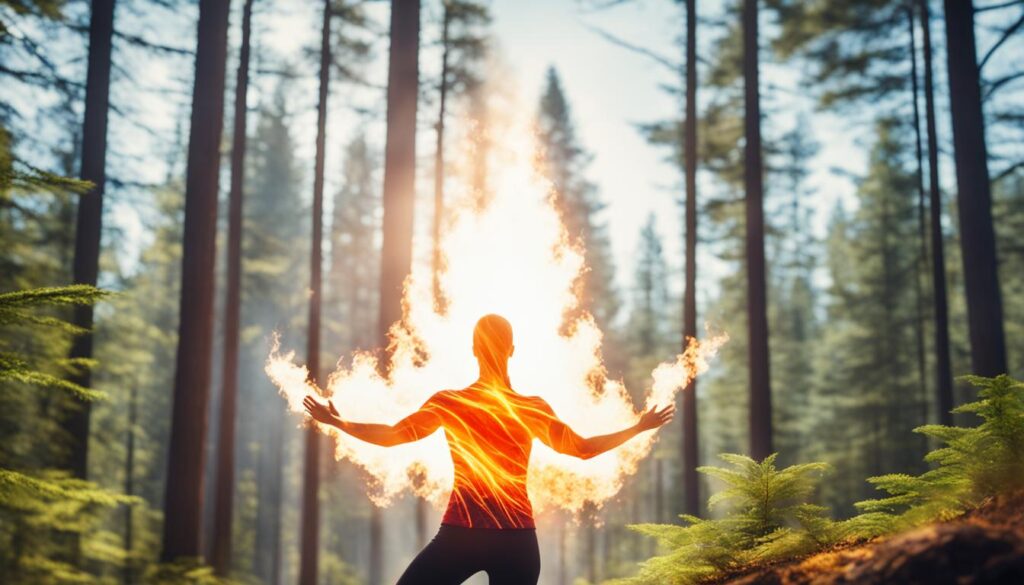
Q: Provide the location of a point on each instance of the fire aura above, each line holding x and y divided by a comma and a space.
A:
510, 256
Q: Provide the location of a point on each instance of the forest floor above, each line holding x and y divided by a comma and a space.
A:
984, 546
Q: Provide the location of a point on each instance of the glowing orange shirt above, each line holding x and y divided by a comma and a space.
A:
490, 432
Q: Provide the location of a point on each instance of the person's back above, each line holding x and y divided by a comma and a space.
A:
489, 524
490, 432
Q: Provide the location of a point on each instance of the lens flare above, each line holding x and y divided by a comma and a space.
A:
511, 256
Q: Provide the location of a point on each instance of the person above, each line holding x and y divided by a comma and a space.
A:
488, 525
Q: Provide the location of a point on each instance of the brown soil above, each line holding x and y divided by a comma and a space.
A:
984, 546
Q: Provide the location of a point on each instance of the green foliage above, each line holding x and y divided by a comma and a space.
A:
15, 312
191, 571
48, 9
769, 519
975, 463
870, 394
37, 506
856, 51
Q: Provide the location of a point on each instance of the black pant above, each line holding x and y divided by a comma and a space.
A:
510, 557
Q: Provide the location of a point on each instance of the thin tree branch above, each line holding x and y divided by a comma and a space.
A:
650, 54
999, 6
991, 87
1008, 171
1005, 36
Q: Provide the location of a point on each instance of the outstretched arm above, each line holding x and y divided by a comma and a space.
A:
416, 426
560, 437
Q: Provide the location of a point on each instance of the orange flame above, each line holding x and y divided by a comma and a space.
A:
511, 257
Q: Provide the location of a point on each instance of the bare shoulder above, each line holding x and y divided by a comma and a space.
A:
442, 396
536, 403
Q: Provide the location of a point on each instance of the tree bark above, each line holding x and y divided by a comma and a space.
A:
89, 224
943, 373
311, 475
183, 503
922, 259
225, 488
757, 317
398, 199
437, 258
267, 558
439, 165
974, 199
691, 453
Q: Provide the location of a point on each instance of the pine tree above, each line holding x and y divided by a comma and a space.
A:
90, 208
864, 54
183, 504
311, 469
792, 312
869, 384
650, 341
757, 312
397, 200
1008, 204
462, 50
975, 463
275, 217
351, 286
351, 289
577, 201
690, 450
974, 195
36, 502
225, 469
940, 303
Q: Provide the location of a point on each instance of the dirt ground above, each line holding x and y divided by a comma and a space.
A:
984, 546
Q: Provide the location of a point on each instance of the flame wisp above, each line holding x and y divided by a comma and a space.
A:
512, 257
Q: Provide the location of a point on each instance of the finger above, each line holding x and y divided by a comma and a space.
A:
334, 411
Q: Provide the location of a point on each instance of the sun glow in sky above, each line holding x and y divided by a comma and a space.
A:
610, 89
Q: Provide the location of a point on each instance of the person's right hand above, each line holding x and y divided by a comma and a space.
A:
323, 413
654, 418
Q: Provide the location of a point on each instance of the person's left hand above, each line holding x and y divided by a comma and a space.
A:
323, 413
654, 418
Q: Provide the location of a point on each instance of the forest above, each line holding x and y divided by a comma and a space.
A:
210, 209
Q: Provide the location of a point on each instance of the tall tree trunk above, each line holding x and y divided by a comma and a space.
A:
128, 574
563, 569
757, 317
89, 225
225, 488
311, 476
267, 558
943, 374
183, 503
398, 199
974, 195
691, 453
439, 164
436, 260
922, 259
